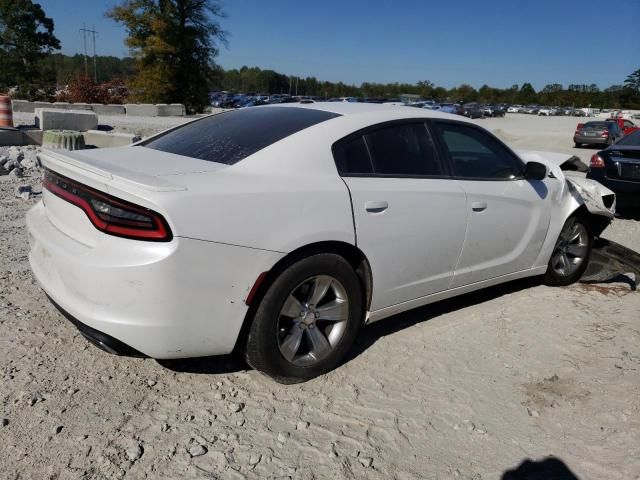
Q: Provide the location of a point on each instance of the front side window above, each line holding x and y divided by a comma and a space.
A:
475, 154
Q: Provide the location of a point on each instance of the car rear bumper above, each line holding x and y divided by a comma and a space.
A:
591, 140
184, 298
619, 186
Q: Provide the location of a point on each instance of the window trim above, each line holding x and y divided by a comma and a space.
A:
337, 150
444, 151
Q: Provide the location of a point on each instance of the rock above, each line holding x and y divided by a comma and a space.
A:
283, 436
301, 425
3, 159
218, 396
254, 458
4, 421
30, 162
151, 383
197, 450
365, 461
165, 427
217, 458
134, 452
23, 191
16, 173
236, 407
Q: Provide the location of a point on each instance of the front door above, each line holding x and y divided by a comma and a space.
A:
508, 215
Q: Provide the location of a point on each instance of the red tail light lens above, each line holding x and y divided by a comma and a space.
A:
109, 214
605, 133
596, 161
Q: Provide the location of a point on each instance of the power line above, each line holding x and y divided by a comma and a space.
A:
93, 34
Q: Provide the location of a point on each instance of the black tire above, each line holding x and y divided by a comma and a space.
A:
555, 278
262, 348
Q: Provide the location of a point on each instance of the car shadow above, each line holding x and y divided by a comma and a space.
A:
370, 334
550, 468
610, 263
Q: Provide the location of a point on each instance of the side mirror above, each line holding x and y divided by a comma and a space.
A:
535, 171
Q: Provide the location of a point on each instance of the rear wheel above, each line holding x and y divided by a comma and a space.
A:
571, 254
307, 319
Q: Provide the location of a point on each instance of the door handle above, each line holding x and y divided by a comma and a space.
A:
376, 207
478, 206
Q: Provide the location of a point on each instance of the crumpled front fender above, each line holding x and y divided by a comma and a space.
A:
597, 198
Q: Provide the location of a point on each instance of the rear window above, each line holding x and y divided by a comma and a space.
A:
232, 136
632, 139
596, 125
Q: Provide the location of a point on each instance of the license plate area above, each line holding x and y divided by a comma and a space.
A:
630, 170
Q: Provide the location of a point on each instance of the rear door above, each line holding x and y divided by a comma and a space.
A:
507, 215
409, 214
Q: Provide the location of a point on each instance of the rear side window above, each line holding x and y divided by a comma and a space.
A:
232, 136
475, 154
405, 149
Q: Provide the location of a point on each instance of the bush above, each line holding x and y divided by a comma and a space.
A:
83, 89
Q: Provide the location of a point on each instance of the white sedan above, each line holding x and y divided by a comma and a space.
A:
281, 230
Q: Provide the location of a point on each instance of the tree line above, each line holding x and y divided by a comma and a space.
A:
174, 43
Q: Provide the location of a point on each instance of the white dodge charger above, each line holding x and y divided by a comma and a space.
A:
281, 230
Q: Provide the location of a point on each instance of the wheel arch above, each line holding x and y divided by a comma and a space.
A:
356, 258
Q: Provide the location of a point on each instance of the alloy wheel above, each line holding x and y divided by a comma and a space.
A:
312, 320
571, 249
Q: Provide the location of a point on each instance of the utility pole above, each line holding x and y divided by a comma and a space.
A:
93, 33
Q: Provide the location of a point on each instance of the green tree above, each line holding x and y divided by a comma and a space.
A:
26, 38
633, 81
527, 94
174, 44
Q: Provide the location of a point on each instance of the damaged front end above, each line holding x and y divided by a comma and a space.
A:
597, 199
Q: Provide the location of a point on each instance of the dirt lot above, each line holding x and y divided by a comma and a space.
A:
463, 389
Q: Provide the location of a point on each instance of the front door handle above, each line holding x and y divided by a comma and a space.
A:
478, 206
376, 207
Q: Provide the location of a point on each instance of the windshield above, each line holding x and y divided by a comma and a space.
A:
232, 136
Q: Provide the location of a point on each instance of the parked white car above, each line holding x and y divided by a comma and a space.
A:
282, 229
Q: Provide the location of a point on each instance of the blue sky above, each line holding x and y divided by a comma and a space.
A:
498, 42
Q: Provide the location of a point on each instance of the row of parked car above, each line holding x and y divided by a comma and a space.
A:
552, 111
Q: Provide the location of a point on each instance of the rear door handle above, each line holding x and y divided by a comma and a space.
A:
478, 206
376, 207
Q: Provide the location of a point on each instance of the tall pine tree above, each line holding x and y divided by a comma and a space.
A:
26, 38
174, 43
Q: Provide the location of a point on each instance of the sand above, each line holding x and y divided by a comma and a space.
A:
463, 389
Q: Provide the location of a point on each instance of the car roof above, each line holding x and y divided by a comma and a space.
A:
381, 112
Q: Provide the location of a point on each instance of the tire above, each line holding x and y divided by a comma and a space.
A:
274, 334
571, 253
578, 145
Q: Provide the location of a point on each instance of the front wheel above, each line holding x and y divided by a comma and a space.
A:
571, 254
307, 320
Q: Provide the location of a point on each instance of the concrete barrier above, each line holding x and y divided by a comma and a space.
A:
141, 109
101, 139
110, 109
52, 119
172, 110
135, 109
10, 137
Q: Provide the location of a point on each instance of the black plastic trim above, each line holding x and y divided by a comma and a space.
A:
101, 340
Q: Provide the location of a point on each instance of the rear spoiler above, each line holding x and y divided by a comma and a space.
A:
79, 165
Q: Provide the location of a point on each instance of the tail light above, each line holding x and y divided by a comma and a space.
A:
107, 213
596, 161
605, 133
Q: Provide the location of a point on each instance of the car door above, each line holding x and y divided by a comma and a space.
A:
409, 215
507, 215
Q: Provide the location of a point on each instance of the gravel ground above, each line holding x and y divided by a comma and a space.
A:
463, 389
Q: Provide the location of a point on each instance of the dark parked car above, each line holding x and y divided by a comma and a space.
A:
618, 168
597, 133
472, 110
